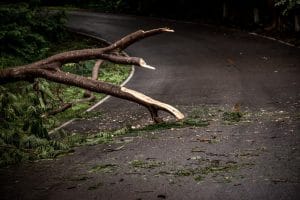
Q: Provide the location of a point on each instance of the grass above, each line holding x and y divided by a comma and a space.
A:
77, 139
188, 122
109, 72
112, 73
217, 114
232, 116
213, 169
62, 143
199, 178
151, 164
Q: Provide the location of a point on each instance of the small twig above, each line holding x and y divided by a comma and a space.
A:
59, 110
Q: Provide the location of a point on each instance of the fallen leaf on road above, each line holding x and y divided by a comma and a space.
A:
115, 149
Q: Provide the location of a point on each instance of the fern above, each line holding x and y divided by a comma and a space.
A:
12, 156
31, 142
58, 145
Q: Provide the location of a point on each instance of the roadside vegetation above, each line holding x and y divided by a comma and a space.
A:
29, 33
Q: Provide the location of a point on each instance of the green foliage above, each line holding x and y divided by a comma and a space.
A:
23, 123
10, 60
12, 156
108, 136
22, 134
214, 169
183, 172
151, 164
109, 72
287, 5
17, 116
23, 126
26, 31
28, 147
188, 122
232, 116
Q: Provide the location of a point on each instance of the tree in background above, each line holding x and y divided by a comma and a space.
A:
246, 14
290, 7
26, 31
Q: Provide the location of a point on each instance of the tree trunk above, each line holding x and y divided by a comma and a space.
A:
256, 15
297, 23
225, 11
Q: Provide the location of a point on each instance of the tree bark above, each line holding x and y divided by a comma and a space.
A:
256, 16
224, 11
95, 74
49, 69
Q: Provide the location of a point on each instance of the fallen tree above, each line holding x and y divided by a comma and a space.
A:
50, 69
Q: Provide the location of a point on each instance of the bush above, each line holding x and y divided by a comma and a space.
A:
26, 31
286, 6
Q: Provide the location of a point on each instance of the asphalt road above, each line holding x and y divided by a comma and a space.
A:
201, 64
197, 66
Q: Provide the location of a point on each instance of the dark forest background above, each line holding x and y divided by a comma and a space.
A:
280, 14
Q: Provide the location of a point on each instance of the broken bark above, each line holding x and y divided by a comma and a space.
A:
50, 69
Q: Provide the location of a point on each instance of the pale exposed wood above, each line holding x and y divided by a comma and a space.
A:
154, 103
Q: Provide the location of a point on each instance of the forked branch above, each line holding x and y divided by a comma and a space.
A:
49, 69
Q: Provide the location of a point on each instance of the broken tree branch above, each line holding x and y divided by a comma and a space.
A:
95, 74
49, 69
62, 108
100, 53
88, 95
135, 37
